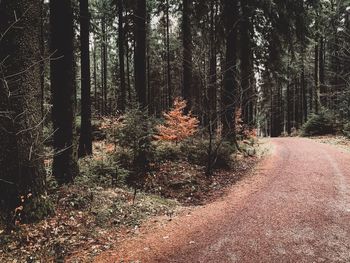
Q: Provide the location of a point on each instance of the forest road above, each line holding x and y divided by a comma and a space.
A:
295, 208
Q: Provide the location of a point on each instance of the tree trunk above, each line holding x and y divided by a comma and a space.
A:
63, 90
303, 88
246, 66
85, 142
317, 79
140, 52
22, 170
229, 89
105, 67
212, 92
42, 62
169, 87
95, 75
187, 89
121, 41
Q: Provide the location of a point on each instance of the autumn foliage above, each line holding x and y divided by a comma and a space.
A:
178, 125
242, 129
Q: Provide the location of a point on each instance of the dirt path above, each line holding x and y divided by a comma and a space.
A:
296, 208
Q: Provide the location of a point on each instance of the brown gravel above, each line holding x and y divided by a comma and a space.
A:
296, 208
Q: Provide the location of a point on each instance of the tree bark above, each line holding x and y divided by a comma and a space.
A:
63, 87
169, 87
140, 52
187, 89
229, 89
246, 66
85, 142
212, 90
121, 42
22, 170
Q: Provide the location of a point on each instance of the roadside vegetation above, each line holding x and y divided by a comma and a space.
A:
139, 170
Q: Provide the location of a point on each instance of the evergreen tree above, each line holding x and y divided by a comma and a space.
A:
63, 90
22, 175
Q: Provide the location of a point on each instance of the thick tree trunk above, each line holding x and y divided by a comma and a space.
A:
230, 85
63, 90
85, 142
187, 89
140, 52
246, 66
22, 170
121, 41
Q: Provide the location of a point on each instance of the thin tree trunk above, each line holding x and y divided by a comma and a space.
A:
121, 42
317, 82
95, 75
169, 87
212, 92
105, 67
42, 63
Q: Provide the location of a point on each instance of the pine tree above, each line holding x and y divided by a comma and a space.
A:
22, 174
63, 87
85, 142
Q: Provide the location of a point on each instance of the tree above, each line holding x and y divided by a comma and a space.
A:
187, 92
121, 43
230, 9
63, 90
178, 125
170, 91
140, 52
22, 174
85, 142
246, 65
212, 90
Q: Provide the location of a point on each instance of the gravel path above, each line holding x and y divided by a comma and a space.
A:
295, 208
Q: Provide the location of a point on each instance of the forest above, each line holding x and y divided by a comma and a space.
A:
158, 100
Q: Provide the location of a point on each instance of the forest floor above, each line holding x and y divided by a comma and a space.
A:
294, 208
91, 217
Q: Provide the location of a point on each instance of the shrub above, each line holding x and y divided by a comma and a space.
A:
135, 134
319, 124
102, 170
197, 153
167, 151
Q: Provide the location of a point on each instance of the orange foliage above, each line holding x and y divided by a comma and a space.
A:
178, 126
241, 128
